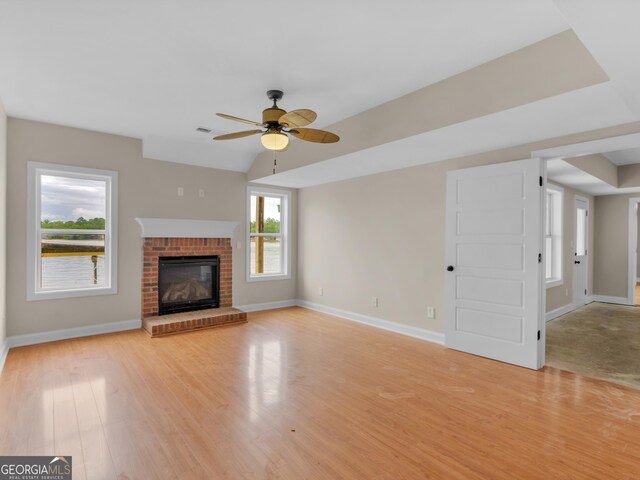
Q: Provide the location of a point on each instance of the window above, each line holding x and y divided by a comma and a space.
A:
553, 236
72, 232
582, 228
268, 252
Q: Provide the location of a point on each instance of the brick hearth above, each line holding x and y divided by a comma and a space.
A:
179, 247
189, 321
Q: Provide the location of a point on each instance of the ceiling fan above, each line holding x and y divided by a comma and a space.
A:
277, 123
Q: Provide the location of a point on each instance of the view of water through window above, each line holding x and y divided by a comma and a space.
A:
272, 254
72, 272
72, 222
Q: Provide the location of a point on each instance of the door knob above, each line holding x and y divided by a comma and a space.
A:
450, 268
577, 262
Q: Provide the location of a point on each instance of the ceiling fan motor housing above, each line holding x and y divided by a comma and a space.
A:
271, 115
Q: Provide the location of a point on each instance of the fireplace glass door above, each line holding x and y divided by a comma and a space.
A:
187, 283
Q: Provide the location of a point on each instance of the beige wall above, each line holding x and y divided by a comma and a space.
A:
383, 235
629, 176
638, 256
3, 224
597, 165
611, 245
147, 188
562, 295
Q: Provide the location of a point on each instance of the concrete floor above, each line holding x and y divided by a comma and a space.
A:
599, 340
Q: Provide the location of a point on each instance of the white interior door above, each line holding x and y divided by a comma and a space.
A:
580, 258
494, 271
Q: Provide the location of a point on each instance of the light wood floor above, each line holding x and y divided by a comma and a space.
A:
296, 394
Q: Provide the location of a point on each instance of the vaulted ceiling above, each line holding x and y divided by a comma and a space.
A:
393, 79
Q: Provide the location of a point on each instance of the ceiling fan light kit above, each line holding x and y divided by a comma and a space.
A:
273, 140
278, 123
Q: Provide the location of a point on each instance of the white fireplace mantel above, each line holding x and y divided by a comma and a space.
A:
182, 228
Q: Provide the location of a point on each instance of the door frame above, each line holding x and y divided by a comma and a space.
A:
603, 145
579, 198
542, 278
633, 250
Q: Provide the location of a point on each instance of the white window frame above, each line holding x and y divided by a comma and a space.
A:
285, 233
34, 231
556, 209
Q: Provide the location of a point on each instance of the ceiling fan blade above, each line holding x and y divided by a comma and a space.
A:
313, 135
231, 136
238, 119
297, 118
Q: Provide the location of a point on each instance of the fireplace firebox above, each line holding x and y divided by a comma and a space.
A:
188, 283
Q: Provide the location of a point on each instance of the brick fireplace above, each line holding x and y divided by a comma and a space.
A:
154, 248
166, 238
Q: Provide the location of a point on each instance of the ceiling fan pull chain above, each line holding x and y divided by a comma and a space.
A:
275, 162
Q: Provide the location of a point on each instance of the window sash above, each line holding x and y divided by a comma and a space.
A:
279, 235
36, 171
281, 249
72, 231
282, 236
553, 236
549, 244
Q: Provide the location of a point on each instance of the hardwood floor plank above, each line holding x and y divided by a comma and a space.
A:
297, 394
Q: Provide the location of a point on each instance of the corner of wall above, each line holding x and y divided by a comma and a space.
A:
3, 235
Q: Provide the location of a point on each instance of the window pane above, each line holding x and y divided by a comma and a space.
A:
266, 255
272, 206
549, 257
265, 214
549, 213
581, 231
252, 214
72, 261
68, 202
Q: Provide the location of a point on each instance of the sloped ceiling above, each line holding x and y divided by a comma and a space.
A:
157, 70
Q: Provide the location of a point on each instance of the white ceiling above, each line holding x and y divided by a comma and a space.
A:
624, 157
566, 174
158, 69
609, 30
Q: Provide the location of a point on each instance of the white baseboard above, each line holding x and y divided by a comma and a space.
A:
256, 307
34, 338
421, 333
3, 354
560, 311
608, 299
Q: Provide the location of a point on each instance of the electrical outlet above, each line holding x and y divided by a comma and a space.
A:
180, 192
239, 245
431, 312
566, 292
201, 193
374, 302
321, 291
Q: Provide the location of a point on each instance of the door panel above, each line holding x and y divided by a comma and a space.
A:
493, 282
491, 325
503, 222
489, 290
581, 260
497, 188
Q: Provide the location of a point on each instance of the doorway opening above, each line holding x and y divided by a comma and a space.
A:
593, 321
